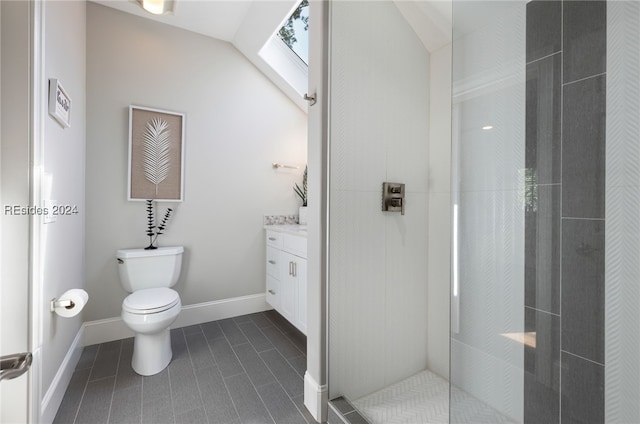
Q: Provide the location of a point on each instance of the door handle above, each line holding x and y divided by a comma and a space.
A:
12, 366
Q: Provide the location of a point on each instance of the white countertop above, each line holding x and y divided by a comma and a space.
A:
294, 229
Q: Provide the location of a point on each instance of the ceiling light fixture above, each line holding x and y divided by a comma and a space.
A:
157, 7
487, 127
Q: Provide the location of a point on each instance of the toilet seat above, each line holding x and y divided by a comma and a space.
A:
150, 301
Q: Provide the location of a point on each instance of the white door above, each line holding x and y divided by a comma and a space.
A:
15, 189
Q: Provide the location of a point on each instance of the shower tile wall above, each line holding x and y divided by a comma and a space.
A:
564, 216
379, 132
622, 291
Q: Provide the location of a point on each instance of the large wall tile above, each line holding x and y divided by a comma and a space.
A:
543, 119
583, 288
584, 39
542, 368
406, 290
542, 248
583, 149
379, 98
582, 391
566, 125
544, 36
357, 294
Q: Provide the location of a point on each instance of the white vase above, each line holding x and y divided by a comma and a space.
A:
302, 215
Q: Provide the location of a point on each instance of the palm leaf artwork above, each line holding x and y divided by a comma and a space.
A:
156, 151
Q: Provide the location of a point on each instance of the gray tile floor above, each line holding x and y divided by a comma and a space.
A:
247, 369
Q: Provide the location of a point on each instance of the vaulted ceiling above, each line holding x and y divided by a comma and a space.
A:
222, 19
248, 25
217, 19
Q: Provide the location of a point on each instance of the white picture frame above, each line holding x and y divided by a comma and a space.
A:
59, 103
142, 130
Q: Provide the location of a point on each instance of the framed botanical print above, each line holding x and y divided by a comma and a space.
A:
156, 154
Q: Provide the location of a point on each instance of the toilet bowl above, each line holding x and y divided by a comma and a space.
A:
149, 313
152, 306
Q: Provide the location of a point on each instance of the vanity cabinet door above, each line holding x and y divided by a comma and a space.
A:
289, 280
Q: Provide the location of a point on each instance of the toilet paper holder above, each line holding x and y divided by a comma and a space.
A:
55, 303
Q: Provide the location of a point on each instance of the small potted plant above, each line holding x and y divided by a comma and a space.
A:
302, 194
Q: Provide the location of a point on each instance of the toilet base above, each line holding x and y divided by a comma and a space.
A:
151, 352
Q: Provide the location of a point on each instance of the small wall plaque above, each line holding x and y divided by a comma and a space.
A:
59, 103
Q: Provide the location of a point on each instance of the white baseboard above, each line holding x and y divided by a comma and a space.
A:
315, 398
106, 330
53, 397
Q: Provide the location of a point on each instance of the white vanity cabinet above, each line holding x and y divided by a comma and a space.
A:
286, 266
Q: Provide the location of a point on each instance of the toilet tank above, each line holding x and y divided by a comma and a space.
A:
147, 269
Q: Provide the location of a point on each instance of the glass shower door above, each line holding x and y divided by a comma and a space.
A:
488, 195
545, 100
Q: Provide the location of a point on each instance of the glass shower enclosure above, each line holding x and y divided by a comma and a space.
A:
488, 211
508, 290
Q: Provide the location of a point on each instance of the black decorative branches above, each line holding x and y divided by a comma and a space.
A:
151, 227
302, 191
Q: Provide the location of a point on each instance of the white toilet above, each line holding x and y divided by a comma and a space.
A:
152, 306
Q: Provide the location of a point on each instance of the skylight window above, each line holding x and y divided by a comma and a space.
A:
294, 32
286, 49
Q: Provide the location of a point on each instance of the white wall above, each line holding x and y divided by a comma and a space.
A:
488, 167
63, 166
379, 105
237, 124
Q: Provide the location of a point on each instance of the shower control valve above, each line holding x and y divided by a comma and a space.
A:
393, 197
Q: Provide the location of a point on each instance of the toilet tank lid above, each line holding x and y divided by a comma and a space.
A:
142, 253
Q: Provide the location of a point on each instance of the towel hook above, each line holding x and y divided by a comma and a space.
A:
279, 165
310, 98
